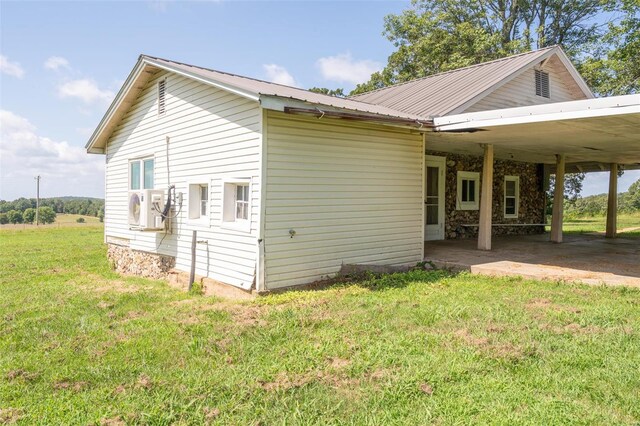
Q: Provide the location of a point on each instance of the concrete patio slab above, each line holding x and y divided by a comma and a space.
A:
589, 259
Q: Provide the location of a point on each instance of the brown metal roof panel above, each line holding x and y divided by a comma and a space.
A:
441, 93
260, 87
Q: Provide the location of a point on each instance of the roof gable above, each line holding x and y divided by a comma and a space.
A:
453, 91
254, 89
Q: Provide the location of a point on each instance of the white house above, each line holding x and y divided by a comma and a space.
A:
284, 186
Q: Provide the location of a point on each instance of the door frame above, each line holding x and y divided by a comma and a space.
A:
441, 163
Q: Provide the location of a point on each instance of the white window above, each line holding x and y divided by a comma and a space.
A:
236, 209
199, 201
468, 193
511, 196
162, 85
141, 174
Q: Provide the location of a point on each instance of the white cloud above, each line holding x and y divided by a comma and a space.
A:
10, 68
56, 62
280, 75
344, 69
66, 169
86, 90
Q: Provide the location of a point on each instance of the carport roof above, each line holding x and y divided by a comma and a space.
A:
591, 133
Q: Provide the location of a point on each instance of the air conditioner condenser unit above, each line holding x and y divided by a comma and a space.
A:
145, 209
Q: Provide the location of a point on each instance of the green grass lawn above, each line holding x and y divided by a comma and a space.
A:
580, 225
81, 345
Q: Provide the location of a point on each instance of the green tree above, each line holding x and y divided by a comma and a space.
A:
46, 215
633, 196
29, 215
439, 35
615, 69
4, 219
14, 216
331, 92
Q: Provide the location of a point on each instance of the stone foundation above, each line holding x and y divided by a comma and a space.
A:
532, 197
143, 264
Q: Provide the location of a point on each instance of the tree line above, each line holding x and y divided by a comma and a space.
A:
601, 37
23, 210
596, 205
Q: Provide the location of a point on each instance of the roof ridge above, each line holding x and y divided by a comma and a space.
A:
348, 98
455, 70
244, 76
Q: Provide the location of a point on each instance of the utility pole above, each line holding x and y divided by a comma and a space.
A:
37, 199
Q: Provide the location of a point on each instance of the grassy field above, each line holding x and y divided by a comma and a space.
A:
82, 345
628, 225
62, 220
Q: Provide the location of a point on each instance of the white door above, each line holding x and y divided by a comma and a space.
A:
434, 197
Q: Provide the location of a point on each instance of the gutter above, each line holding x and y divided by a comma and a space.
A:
318, 113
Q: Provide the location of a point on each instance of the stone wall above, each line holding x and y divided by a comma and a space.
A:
133, 262
532, 197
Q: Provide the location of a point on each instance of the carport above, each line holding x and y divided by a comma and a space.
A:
567, 137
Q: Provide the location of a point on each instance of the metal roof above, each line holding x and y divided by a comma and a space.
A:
440, 94
259, 87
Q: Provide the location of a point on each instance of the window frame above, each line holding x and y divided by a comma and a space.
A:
468, 205
516, 197
141, 161
194, 202
229, 219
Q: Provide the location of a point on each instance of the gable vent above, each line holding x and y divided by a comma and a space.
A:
542, 83
161, 93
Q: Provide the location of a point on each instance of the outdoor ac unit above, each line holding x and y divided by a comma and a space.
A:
145, 207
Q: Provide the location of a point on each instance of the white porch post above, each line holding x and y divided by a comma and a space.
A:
612, 202
558, 201
486, 200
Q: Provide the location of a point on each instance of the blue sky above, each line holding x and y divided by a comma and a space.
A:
62, 63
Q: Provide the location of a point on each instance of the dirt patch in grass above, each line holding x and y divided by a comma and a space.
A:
113, 421
285, 381
246, 315
144, 382
336, 379
98, 284
210, 414
9, 416
339, 363
468, 338
547, 304
21, 374
74, 386
494, 349
426, 388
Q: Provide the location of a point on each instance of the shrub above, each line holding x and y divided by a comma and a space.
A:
80, 220
29, 215
14, 216
47, 215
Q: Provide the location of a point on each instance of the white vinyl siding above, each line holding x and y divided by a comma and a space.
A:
521, 91
350, 193
212, 134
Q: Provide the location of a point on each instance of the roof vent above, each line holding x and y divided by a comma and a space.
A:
542, 83
161, 92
